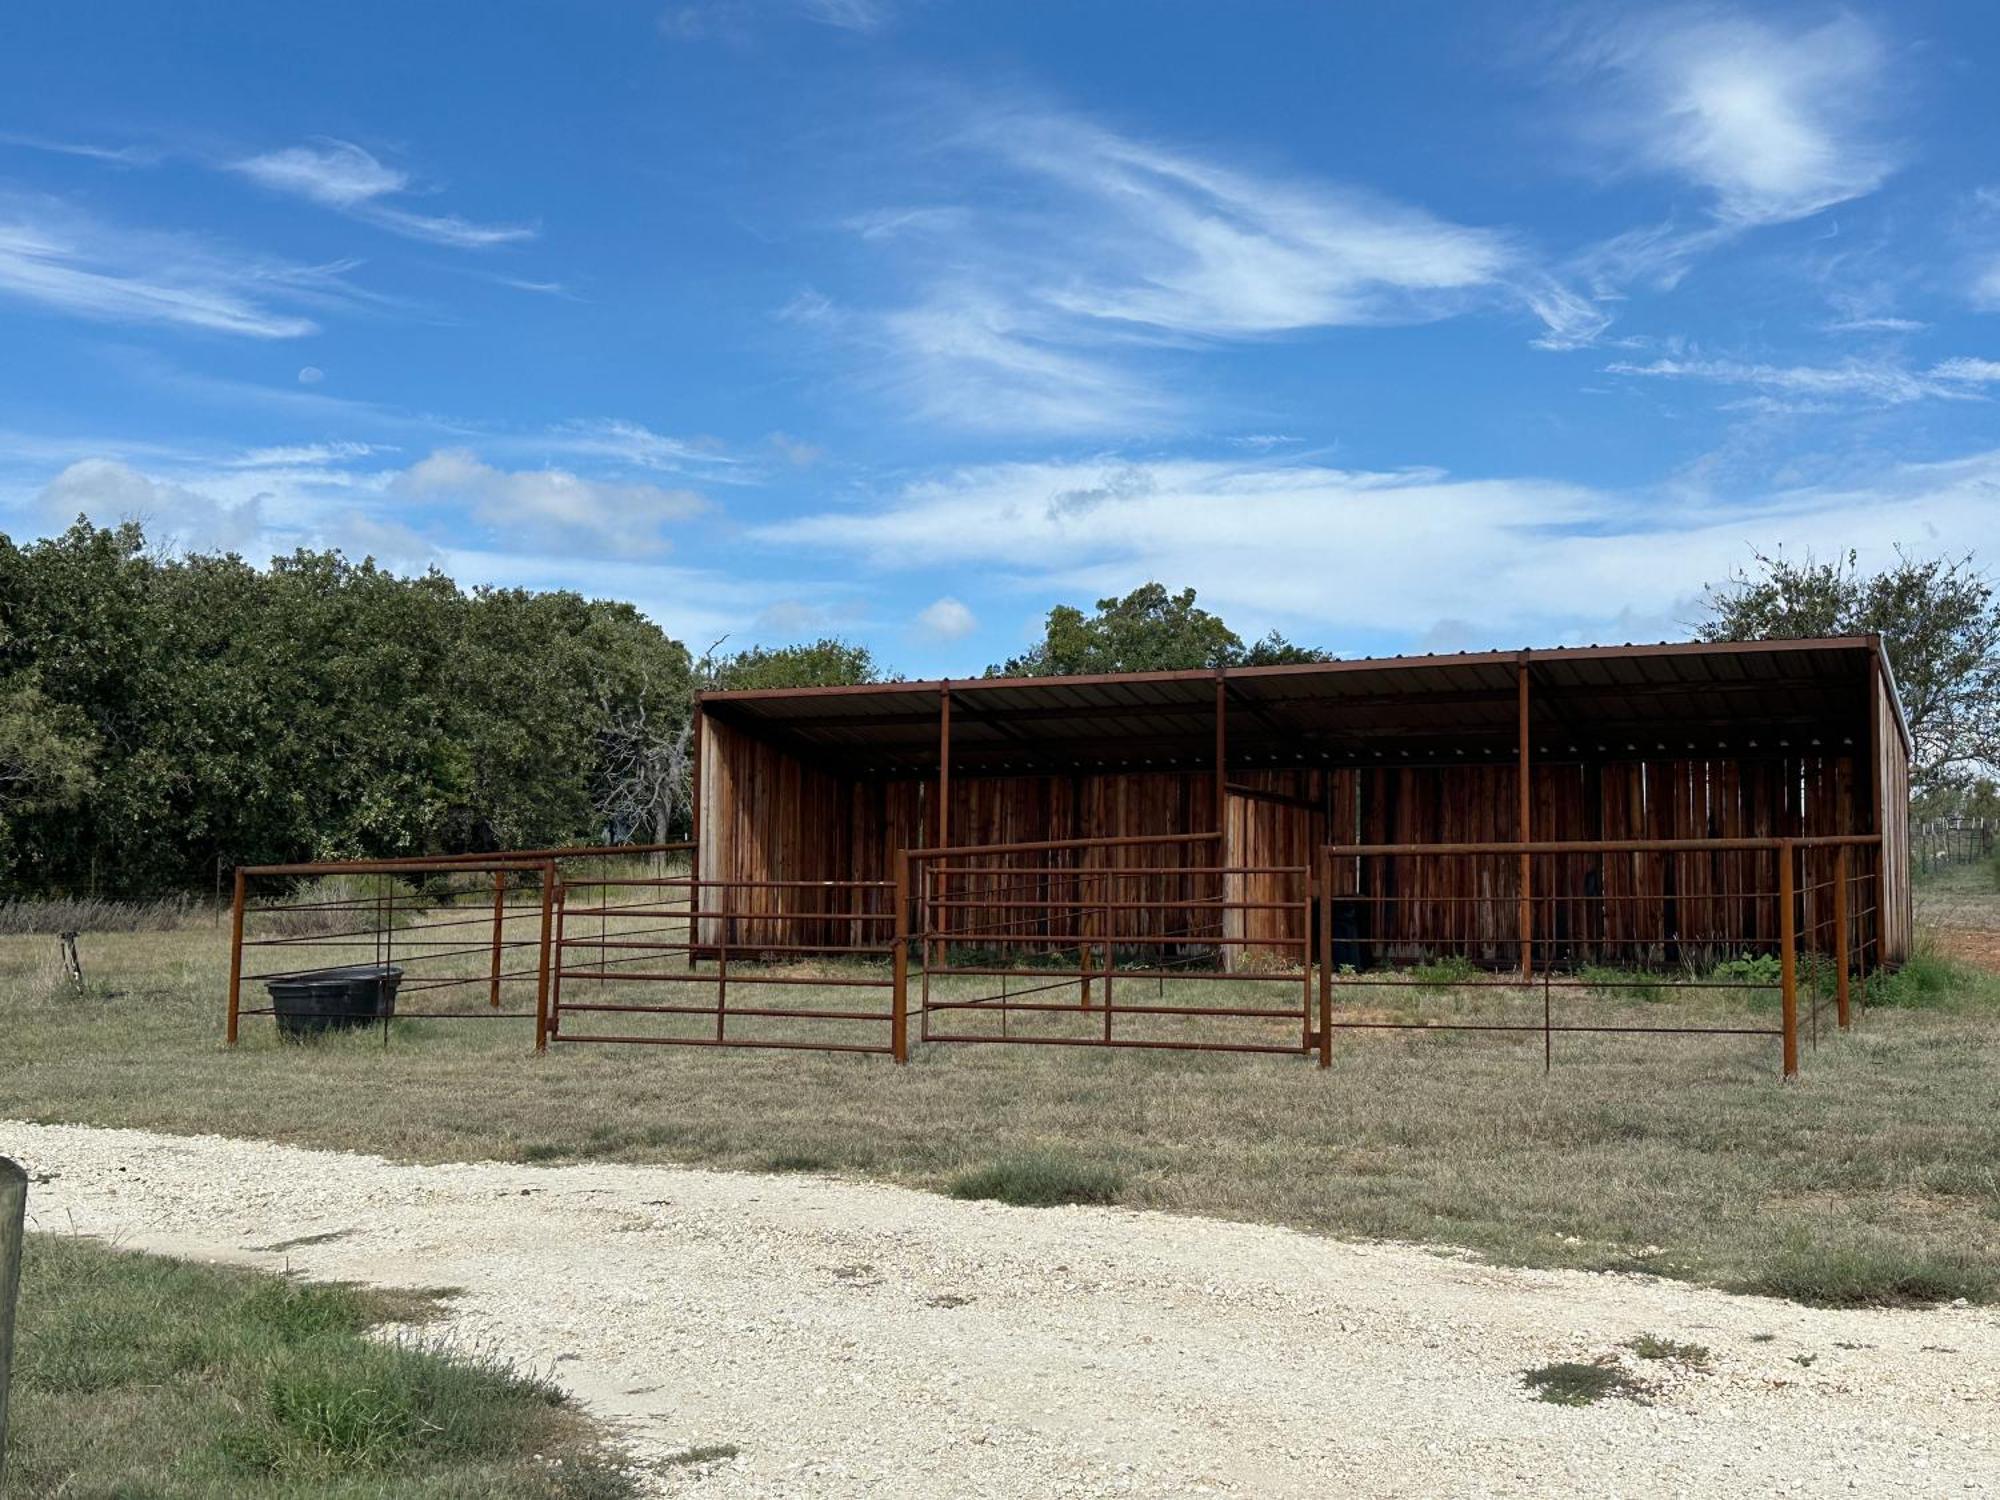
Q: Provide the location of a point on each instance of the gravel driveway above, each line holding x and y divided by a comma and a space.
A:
851, 1339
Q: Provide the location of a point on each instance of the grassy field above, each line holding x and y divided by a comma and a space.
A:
141, 1376
1874, 1179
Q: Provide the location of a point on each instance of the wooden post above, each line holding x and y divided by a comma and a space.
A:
899, 1000
1788, 958
235, 955
499, 928
1840, 984
13, 1227
1527, 909
549, 961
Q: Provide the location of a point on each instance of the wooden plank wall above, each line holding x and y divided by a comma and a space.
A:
766, 817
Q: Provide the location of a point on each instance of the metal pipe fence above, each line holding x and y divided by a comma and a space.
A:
1597, 921
1150, 941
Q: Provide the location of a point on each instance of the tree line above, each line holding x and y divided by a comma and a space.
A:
161, 716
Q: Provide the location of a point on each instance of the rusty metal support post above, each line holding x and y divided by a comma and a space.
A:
1788, 956
941, 886
1523, 777
1326, 961
499, 930
1840, 937
899, 993
235, 956
549, 962
1221, 760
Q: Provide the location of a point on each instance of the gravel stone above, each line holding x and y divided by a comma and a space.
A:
856, 1339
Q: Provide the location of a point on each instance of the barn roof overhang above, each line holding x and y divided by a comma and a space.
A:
1672, 699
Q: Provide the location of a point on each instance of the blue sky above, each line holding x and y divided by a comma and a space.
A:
1389, 327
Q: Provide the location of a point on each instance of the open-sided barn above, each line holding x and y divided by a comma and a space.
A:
1586, 746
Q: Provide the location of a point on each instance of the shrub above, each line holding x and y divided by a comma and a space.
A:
1750, 968
1926, 979
1443, 973
1040, 1180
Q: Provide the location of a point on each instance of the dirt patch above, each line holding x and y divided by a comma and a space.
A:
813, 1337
1973, 945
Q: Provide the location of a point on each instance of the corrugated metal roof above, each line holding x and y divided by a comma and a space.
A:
1669, 698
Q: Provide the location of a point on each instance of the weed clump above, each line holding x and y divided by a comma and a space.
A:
1039, 1180
1672, 1351
1572, 1383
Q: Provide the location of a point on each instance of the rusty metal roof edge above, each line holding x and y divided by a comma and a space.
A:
1509, 656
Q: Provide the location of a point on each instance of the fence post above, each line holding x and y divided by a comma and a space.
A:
13, 1226
1325, 960
899, 1004
235, 956
499, 926
544, 964
1788, 957
1840, 980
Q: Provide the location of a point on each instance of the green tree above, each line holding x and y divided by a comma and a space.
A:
828, 662
1149, 630
1940, 627
316, 708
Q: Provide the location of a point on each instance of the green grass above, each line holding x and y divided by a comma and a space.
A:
137, 1376
1671, 1351
1875, 1178
1632, 985
1859, 1265
1569, 1383
1043, 1179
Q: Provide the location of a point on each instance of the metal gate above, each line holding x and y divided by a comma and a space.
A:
675, 960
1145, 942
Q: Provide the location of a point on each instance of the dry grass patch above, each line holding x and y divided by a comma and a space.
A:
1680, 1156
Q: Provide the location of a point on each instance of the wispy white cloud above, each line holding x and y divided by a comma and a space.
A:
1878, 381
634, 445
1877, 325
1773, 123
1547, 560
973, 360
1985, 289
1190, 246
312, 455
1077, 248
117, 156
349, 179
1971, 371
737, 22
550, 508
54, 256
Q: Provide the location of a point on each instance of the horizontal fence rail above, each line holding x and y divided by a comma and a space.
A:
1599, 922
1139, 942
1143, 941
807, 965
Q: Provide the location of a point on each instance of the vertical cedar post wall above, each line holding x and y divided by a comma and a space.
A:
767, 816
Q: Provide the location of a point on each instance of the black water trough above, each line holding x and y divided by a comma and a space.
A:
334, 999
